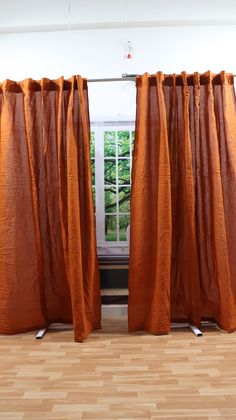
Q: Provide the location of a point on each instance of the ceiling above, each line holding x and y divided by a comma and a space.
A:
50, 15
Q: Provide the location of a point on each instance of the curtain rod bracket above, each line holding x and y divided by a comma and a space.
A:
127, 75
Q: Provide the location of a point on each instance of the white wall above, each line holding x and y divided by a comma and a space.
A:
100, 52
23, 13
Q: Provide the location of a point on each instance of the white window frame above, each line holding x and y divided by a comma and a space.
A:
99, 126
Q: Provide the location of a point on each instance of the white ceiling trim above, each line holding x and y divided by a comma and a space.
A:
114, 25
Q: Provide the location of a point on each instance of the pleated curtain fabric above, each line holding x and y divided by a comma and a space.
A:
183, 203
48, 264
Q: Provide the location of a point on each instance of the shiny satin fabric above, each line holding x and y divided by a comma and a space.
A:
183, 203
48, 264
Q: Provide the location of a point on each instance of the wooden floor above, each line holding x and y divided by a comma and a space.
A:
116, 375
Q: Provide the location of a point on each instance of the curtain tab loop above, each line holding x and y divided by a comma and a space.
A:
197, 89
184, 78
11, 86
174, 80
196, 78
160, 77
145, 78
223, 77
185, 84
209, 76
26, 85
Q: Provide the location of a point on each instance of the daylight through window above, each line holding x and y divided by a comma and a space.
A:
111, 160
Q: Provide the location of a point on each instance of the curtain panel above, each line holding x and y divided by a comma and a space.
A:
183, 202
48, 264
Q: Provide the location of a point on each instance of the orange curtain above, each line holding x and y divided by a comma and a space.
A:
183, 203
48, 263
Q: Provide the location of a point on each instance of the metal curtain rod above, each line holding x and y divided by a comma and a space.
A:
125, 77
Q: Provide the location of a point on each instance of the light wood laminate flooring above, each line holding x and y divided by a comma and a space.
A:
115, 375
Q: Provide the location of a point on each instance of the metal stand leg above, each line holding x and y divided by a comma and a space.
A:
195, 330
41, 333
176, 325
208, 324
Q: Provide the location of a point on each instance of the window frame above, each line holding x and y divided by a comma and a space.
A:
99, 126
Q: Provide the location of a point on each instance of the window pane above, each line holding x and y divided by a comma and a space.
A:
110, 200
94, 199
123, 143
109, 143
124, 200
93, 171
124, 222
124, 171
132, 139
92, 144
110, 228
110, 172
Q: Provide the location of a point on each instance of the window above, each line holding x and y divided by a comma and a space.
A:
111, 160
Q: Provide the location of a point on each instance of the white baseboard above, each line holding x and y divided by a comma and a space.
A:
115, 311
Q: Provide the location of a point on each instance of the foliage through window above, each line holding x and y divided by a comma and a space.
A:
111, 159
